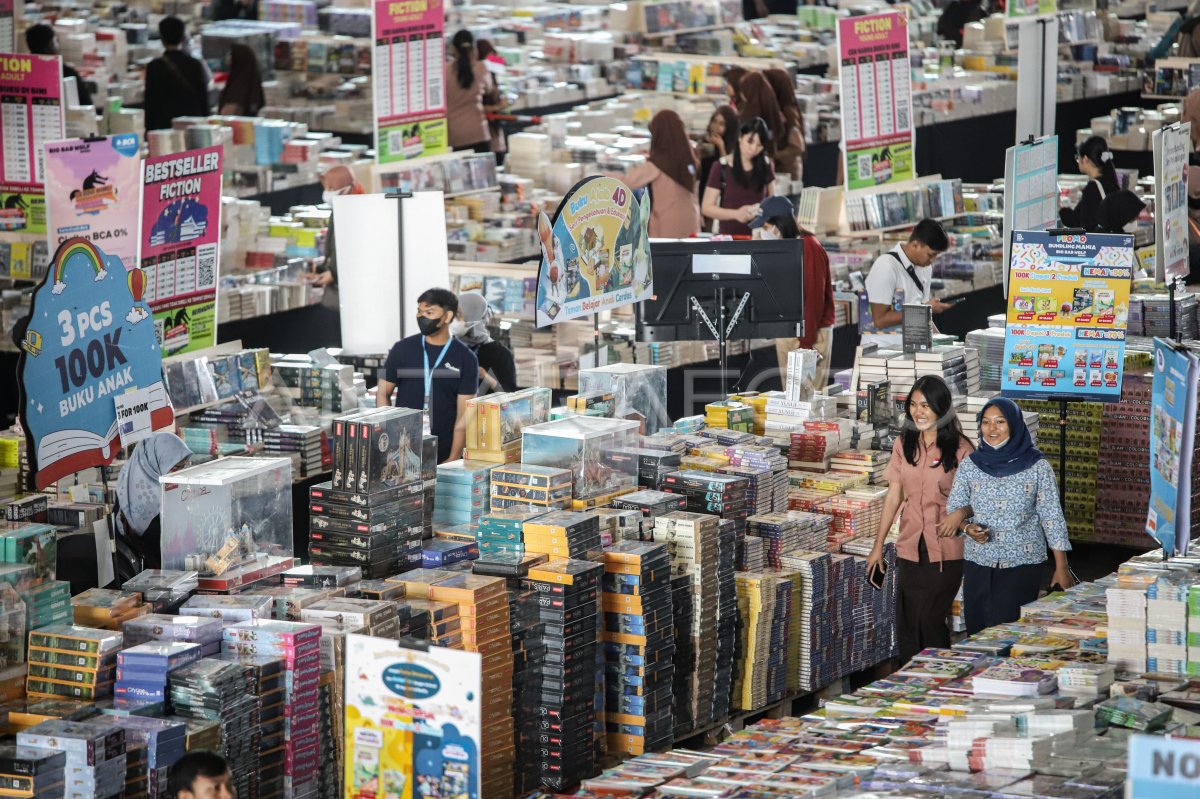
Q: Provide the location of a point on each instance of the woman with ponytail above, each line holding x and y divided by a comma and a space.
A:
1096, 161
466, 84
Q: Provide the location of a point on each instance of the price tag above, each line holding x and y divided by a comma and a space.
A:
133, 416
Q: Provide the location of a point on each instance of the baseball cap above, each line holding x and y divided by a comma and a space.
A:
771, 208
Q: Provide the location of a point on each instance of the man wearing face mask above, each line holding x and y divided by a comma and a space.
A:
497, 370
433, 371
335, 181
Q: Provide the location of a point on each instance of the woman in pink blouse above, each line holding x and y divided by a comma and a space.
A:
466, 83
920, 475
671, 172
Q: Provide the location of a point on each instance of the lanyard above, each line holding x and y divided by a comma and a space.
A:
429, 372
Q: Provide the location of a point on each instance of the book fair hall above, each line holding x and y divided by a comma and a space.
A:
654, 399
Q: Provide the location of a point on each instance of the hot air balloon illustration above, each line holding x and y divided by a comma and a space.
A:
136, 280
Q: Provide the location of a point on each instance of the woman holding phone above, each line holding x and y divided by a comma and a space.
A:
1006, 502
920, 475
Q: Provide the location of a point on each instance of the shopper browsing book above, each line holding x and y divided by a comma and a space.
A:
922, 470
467, 81
670, 172
1096, 161
904, 276
433, 371
1005, 501
739, 182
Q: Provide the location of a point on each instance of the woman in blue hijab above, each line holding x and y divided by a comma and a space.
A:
1006, 488
139, 497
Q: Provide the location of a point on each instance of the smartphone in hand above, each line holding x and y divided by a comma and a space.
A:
878, 575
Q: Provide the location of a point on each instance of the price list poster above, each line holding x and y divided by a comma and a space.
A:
407, 66
8, 27
181, 248
1068, 310
876, 95
30, 116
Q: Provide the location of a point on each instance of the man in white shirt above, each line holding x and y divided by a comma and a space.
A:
906, 268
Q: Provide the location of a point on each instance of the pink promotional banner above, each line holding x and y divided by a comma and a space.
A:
407, 66
181, 231
94, 192
876, 96
30, 115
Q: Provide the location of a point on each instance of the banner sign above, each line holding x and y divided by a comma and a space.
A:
8, 27
1172, 145
93, 191
181, 247
1030, 8
1068, 309
408, 65
1162, 767
31, 114
1172, 431
89, 339
1031, 189
876, 94
596, 254
413, 720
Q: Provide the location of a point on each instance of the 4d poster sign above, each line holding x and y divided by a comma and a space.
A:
90, 338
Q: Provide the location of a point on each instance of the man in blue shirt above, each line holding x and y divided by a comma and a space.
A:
434, 372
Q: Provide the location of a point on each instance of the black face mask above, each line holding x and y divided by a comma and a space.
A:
429, 326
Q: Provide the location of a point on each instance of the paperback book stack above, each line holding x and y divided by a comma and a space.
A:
1125, 442
299, 646
855, 514
871, 463
757, 595
264, 678
215, 690
779, 533
1126, 607
812, 531
787, 416
564, 702
142, 672
462, 494
27, 772
718, 494
152, 745
952, 365
562, 534
484, 623
682, 606
503, 531
304, 443
652, 464
639, 647
651, 504
204, 631
106, 607
730, 414
875, 613
729, 629
812, 448
816, 637
518, 486
95, 756
693, 542
766, 469
1167, 624
76, 662
989, 343
1086, 680
1013, 678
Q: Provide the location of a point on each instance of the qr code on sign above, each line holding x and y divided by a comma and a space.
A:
902, 116
206, 267
158, 331
395, 141
864, 165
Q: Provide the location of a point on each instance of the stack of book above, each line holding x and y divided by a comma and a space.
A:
202, 630
378, 532
778, 531
142, 672
215, 690
957, 365
562, 534
305, 444
519, 486
80, 662
29, 772
164, 590
856, 513
462, 494
1125, 442
1167, 624
47, 603
565, 702
650, 504
728, 624
639, 647
152, 745
107, 608
872, 463
378, 618
812, 532
683, 611
786, 416
816, 639
230, 609
766, 605
503, 531
652, 464
730, 414
1014, 679
1086, 679
812, 448
95, 757
264, 676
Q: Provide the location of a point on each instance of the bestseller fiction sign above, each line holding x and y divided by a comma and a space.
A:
89, 339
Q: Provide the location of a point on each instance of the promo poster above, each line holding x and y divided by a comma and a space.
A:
1030, 8
413, 721
596, 253
876, 93
1172, 431
1068, 310
181, 247
90, 338
31, 114
408, 63
93, 191
1172, 145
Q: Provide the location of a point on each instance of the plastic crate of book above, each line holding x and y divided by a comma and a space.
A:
639, 391
582, 444
228, 518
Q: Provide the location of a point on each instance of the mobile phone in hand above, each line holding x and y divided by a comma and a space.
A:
877, 576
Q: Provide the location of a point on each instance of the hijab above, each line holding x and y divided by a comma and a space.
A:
475, 314
1015, 455
138, 490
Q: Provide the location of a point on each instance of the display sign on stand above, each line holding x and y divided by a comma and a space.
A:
413, 719
407, 65
1172, 145
181, 247
1068, 309
1030, 190
876, 92
8, 27
31, 114
1030, 8
595, 253
1172, 433
90, 338
1162, 767
94, 191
